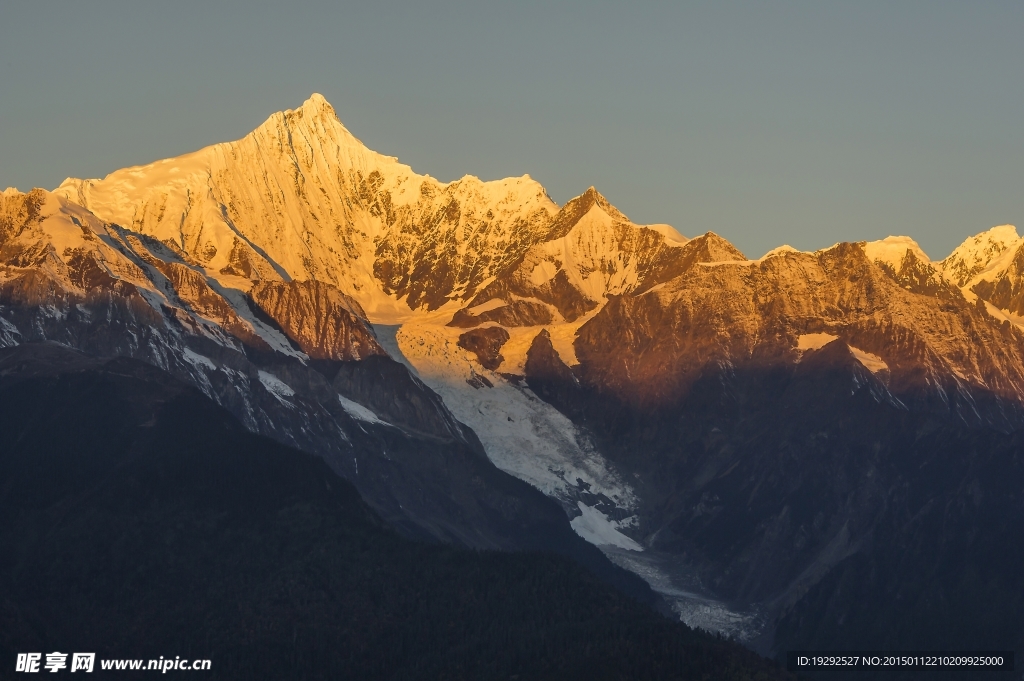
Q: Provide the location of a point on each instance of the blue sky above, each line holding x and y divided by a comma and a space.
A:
768, 123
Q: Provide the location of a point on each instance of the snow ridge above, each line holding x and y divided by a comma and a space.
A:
980, 255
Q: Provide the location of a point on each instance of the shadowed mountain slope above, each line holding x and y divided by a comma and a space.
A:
138, 519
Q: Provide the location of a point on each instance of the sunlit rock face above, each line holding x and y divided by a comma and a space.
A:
904, 321
324, 322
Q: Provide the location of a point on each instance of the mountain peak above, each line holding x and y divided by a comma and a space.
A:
317, 105
709, 247
314, 127
977, 253
893, 249
316, 117
316, 99
592, 197
574, 210
1008, 232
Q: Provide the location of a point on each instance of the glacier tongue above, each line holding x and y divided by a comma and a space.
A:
522, 434
599, 530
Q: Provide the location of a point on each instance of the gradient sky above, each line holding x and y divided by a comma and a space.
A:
768, 123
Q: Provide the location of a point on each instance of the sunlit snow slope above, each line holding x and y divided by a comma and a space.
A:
301, 198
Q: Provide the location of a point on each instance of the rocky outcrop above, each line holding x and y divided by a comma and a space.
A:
550, 379
321, 320
516, 313
397, 397
486, 344
1004, 288
193, 289
18, 212
456, 238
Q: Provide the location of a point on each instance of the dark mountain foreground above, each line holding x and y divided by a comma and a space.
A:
138, 519
859, 523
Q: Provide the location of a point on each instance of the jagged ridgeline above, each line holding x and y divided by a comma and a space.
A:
774, 441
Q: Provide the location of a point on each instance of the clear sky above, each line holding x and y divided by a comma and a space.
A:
766, 122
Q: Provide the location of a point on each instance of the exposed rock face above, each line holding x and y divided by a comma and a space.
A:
516, 313
320, 319
457, 237
486, 344
193, 289
1006, 289
707, 248
61, 279
18, 212
1000, 281
990, 266
548, 376
396, 396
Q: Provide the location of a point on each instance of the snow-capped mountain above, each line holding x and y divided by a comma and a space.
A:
759, 422
301, 198
980, 253
990, 267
